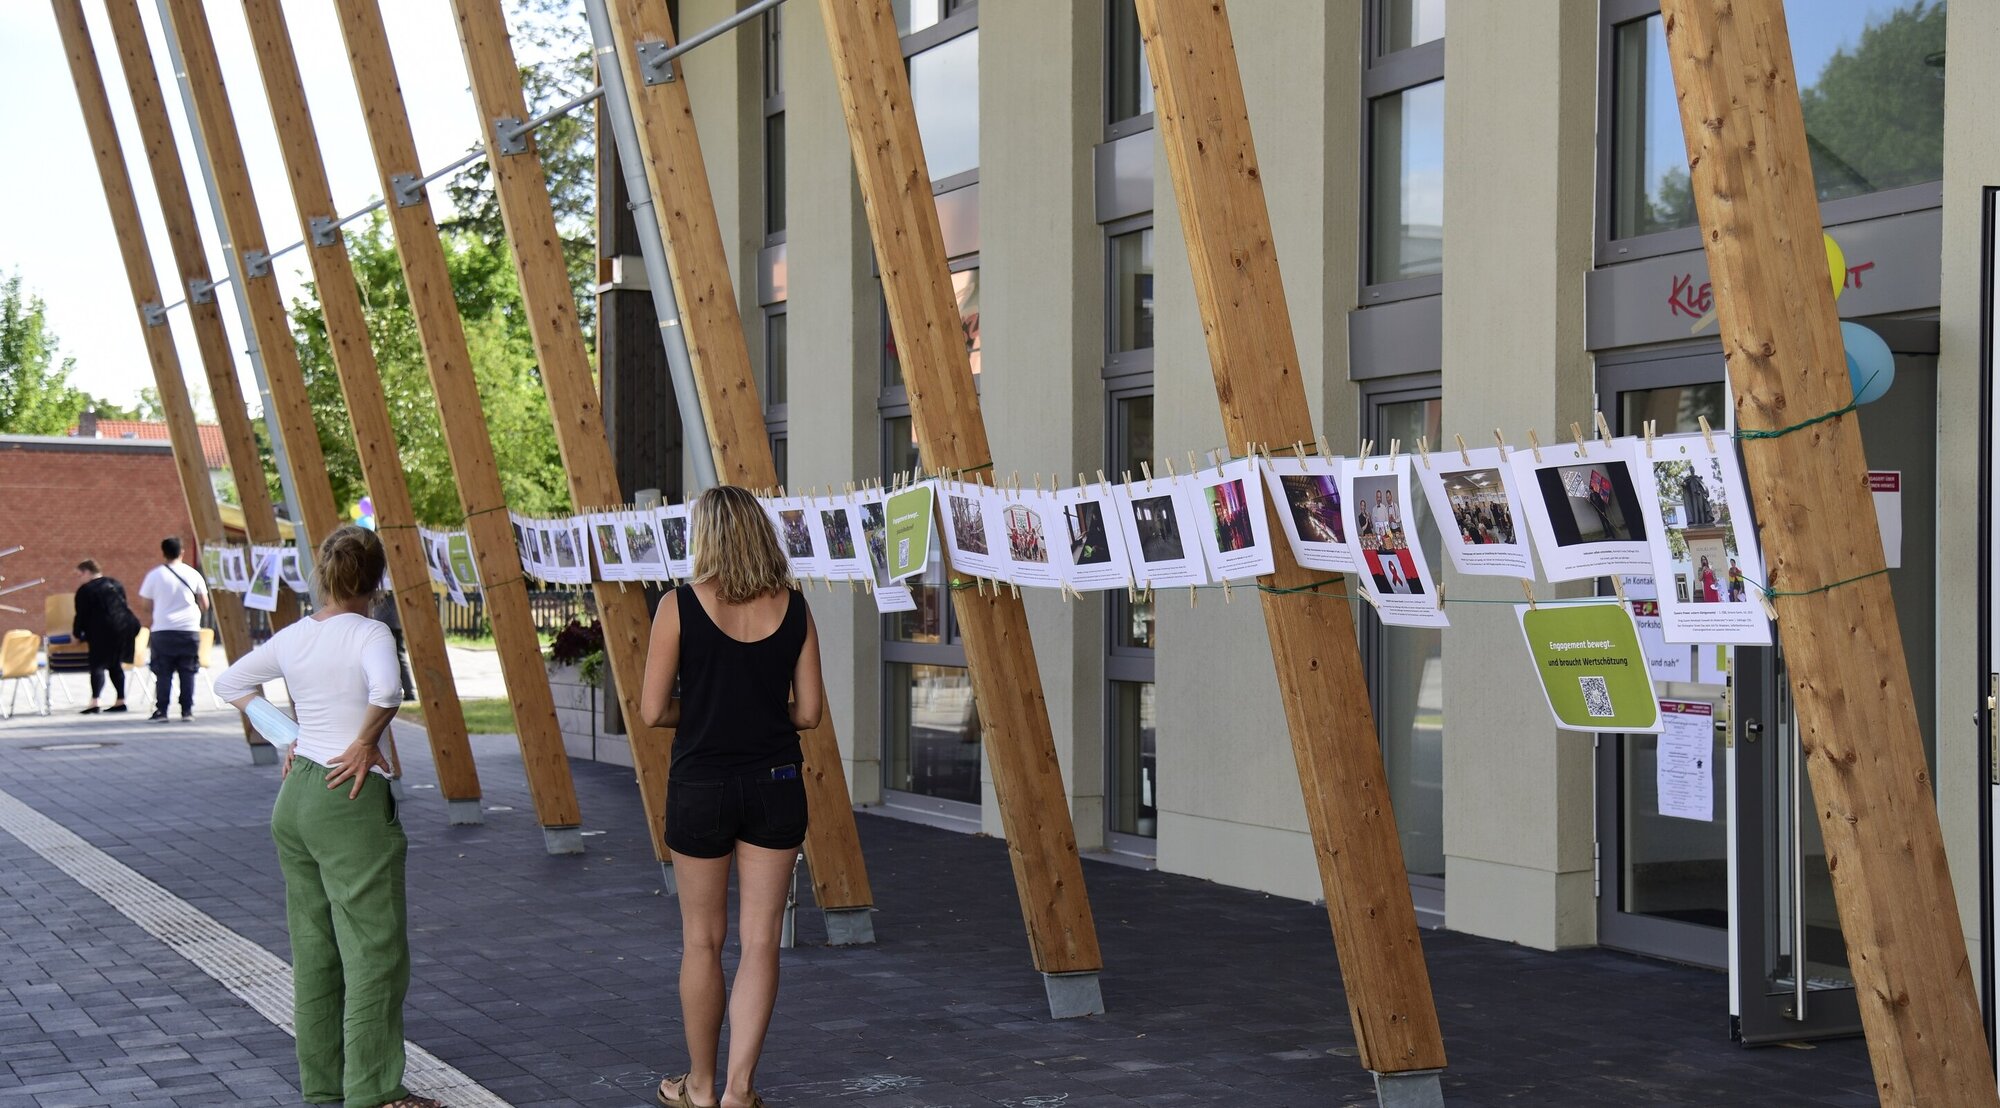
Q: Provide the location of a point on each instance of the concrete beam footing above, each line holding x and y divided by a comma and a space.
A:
562, 840
263, 754
850, 926
464, 813
1073, 994
1409, 1089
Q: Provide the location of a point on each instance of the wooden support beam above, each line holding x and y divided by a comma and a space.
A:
536, 245
730, 405
1857, 724
156, 134
189, 458
1205, 128
242, 232
944, 403
442, 336
367, 409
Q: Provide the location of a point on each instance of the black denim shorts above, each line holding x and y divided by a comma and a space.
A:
706, 819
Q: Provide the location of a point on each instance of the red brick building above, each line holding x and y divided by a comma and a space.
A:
65, 499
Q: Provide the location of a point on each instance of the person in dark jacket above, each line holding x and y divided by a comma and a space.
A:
105, 621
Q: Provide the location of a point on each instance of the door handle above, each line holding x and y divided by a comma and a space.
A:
1752, 729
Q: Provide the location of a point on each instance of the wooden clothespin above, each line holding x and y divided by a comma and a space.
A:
1319, 441
1103, 485
1038, 484
1464, 455
1770, 609
1528, 589
1603, 428
1535, 444
1576, 432
1299, 448
1227, 596
1707, 434
1502, 440
1424, 449
1395, 448
1367, 447
1193, 466
1169, 463
1146, 468
1191, 590
1648, 429
1618, 587
1440, 594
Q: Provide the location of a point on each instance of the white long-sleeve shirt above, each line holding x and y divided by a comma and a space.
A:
335, 669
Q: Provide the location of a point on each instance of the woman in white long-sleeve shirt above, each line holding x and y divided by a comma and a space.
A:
339, 843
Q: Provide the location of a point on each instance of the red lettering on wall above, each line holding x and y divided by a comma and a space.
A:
1687, 298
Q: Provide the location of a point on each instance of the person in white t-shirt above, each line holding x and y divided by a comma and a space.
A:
175, 597
340, 844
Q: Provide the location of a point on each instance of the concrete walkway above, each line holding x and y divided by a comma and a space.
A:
550, 981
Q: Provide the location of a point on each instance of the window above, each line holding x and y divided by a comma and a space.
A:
774, 127
1404, 121
918, 15
944, 89
1871, 82
1131, 308
1131, 732
964, 283
1129, 99
775, 354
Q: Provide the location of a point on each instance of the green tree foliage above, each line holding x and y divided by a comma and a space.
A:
503, 363
36, 397
1875, 115
552, 43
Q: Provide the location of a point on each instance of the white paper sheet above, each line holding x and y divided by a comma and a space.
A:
1582, 506
1235, 528
1096, 553
839, 525
675, 533
967, 529
1684, 769
644, 552
1394, 571
607, 546
889, 596
1477, 513
1158, 516
1027, 537
1886, 485
1703, 546
1310, 511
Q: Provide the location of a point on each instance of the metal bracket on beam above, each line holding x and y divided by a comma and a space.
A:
409, 189
256, 263
325, 232
656, 64
156, 316
510, 135
201, 290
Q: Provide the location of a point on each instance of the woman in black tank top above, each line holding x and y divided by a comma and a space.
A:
740, 640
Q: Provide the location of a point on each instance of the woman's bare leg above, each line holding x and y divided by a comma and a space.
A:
763, 878
703, 885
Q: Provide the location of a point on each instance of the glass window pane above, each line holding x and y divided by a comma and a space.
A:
1135, 761
776, 373
1132, 624
1401, 24
965, 286
944, 86
774, 174
781, 455
1132, 290
915, 15
1409, 683
1406, 195
1131, 76
1871, 82
774, 55
933, 732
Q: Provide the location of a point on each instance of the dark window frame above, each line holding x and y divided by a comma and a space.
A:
961, 18
1385, 75
774, 107
1133, 124
1122, 363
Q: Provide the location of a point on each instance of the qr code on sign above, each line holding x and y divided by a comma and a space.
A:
1596, 697
903, 552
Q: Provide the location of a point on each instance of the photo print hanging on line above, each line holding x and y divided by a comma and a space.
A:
289, 571
523, 544
545, 539
571, 557
644, 552
968, 532
1704, 551
871, 510
1093, 541
791, 516
441, 565
1031, 546
839, 524
1235, 532
235, 569
1307, 492
262, 592
276, 555
1582, 506
1477, 513
1393, 571
211, 566
1158, 516
674, 536
607, 544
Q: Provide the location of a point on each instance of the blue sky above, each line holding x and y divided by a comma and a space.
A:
55, 229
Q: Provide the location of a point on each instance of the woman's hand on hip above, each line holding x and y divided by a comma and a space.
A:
291, 752
353, 764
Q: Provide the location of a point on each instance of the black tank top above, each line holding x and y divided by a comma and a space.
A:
736, 714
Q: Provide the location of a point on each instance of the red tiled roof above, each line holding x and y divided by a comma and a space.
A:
212, 448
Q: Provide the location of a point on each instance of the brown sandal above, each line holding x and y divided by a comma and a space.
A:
681, 1099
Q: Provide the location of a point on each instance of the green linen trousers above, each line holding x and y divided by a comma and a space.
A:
346, 911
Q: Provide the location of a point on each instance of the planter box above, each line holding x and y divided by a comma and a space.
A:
580, 714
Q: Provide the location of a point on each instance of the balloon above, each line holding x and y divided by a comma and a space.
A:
1836, 264
1871, 368
367, 506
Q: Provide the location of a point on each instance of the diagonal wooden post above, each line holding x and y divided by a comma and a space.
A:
189, 457
1205, 128
242, 232
367, 410
442, 336
156, 134
677, 180
565, 367
951, 432
1857, 724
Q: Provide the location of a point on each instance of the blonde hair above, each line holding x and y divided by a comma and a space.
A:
736, 546
350, 564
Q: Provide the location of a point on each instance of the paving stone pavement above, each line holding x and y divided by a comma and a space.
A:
551, 980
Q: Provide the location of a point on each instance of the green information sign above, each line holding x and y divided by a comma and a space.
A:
459, 548
211, 566
909, 531
1591, 666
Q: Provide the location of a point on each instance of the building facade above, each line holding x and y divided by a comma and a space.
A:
1483, 220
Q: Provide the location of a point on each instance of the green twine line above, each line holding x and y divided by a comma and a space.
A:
1772, 594
1781, 432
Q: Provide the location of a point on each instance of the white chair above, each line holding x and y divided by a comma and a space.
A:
20, 664
138, 674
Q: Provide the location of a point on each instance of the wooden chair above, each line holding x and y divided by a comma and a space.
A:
19, 664
65, 654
